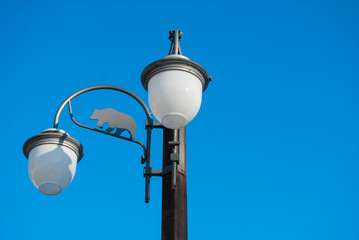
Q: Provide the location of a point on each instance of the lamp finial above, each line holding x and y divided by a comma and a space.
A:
175, 37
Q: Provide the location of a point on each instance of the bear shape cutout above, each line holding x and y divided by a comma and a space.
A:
115, 119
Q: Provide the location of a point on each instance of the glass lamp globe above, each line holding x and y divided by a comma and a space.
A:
53, 156
175, 85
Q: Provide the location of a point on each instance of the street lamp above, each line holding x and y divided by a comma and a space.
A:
174, 92
175, 85
53, 156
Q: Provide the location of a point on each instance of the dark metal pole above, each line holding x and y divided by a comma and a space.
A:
174, 201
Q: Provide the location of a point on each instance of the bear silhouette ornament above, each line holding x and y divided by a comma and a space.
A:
115, 119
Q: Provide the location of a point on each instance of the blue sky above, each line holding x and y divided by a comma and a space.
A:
272, 154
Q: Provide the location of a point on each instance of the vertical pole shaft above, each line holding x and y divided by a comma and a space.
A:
174, 201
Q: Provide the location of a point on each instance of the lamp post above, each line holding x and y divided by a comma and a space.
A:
175, 85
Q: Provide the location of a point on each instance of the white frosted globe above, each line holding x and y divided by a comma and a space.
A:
52, 167
175, 97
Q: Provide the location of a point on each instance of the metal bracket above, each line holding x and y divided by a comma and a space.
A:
181, 150
156, 172
149, 172
174, 143
152, 124
174, 157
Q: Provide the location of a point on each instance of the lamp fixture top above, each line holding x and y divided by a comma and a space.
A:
175, 61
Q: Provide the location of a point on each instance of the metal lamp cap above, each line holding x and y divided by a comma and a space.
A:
175, 62
54, 136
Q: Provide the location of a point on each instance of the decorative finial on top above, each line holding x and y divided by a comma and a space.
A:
175, 37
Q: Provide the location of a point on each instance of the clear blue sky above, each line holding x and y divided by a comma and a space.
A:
272, 154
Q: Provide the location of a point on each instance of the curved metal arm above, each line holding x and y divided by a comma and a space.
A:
88, 89
149, 125
107, 133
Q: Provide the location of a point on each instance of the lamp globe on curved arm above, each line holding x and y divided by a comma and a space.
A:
53, 156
